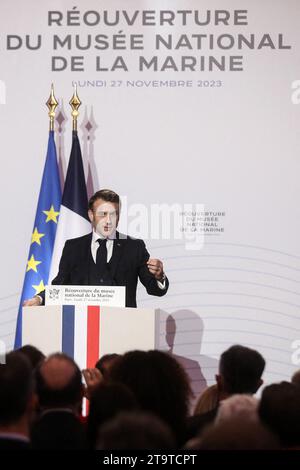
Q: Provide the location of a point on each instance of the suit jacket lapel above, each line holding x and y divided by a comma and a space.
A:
119, 244
86, 256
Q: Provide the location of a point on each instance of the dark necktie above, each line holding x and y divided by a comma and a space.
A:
101, 257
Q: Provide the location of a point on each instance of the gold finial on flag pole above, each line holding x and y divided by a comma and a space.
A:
52, 104
75, 103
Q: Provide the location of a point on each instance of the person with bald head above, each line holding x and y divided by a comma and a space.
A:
60, 390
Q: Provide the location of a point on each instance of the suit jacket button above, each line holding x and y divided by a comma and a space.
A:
101, 280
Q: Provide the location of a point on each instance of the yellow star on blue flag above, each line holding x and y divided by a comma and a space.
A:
51, 214
36, 236
39, 288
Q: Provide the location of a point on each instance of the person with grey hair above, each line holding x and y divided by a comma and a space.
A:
239, 406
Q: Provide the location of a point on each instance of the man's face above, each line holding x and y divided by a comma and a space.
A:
104, 217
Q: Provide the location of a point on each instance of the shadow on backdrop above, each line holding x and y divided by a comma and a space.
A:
181, 333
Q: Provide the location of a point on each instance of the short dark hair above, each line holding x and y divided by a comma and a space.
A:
33, 354
241, 369
68, 395
279, 409
104, 361
16, 388
107, 195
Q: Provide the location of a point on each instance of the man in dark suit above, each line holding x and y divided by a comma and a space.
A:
107, 257
59, 390
240, 371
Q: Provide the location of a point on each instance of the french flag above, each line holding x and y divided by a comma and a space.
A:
87, 332
80, 333
73, 219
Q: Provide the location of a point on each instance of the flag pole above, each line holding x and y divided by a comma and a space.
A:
52, 105
73, 220
44, 227
75, 103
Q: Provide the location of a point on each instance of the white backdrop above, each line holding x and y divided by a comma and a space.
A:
229, 141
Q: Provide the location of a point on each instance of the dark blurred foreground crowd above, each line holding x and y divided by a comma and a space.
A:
141, 400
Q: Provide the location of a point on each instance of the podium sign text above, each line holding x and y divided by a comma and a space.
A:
109, 296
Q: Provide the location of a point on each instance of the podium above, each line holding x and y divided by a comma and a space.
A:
87, 332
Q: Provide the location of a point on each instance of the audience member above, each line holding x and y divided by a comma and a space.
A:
296, 378
107, 400
207, 401
237, 407
17, 402
105, 363
159, 384
60, 391
240, 371
236, 434
134, 431
32, 353
279, 409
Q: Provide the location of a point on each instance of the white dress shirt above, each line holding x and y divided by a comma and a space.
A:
95, 245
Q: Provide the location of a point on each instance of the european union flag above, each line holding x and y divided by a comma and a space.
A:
43, 235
